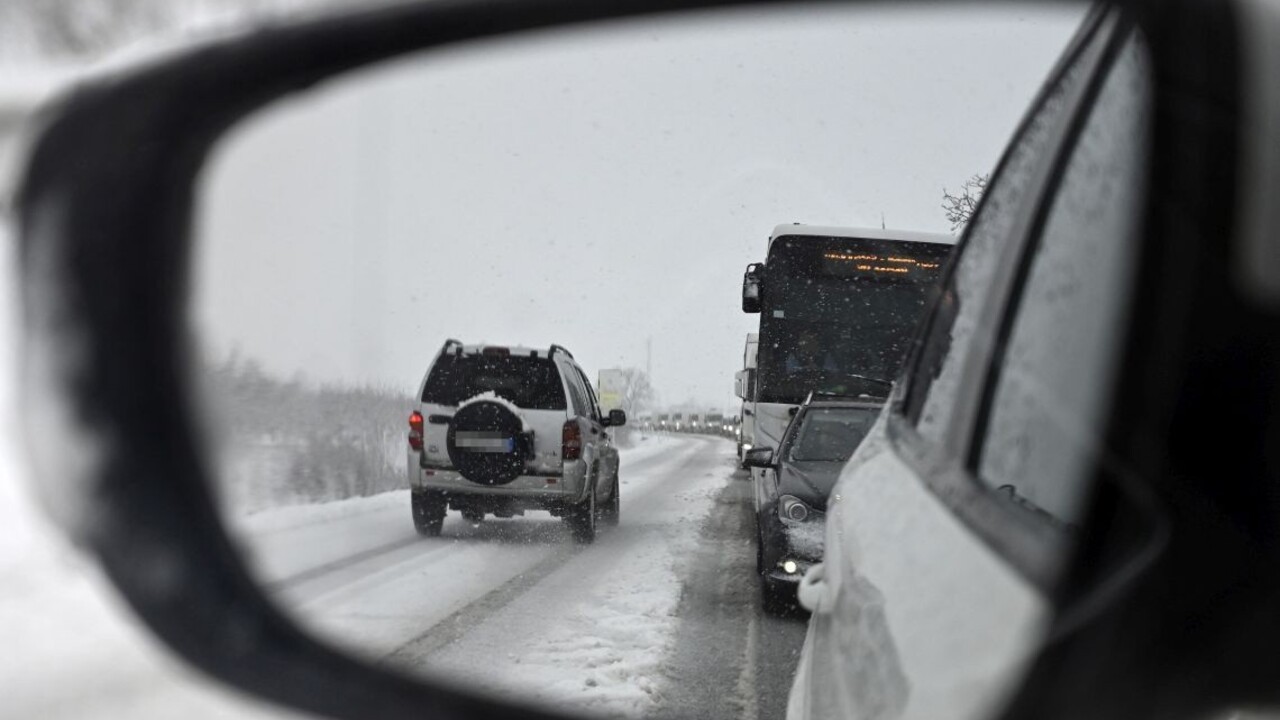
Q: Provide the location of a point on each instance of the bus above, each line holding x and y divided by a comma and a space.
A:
838, 307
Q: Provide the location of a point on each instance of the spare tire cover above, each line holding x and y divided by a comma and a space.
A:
486, 443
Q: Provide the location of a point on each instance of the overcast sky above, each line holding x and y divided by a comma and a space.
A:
594, 189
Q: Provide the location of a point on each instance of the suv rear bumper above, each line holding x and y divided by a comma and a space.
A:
567, 487
502, 505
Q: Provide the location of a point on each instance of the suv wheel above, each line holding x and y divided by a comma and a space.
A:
582, 519
428, 513
611, 513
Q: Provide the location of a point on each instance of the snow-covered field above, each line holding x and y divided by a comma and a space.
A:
513, 606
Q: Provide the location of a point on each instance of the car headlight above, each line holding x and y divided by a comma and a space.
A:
792, 508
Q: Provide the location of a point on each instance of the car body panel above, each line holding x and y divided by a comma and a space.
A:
915, 606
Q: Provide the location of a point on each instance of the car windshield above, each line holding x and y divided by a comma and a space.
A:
830, 434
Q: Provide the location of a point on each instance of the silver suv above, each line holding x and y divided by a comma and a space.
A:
501, 430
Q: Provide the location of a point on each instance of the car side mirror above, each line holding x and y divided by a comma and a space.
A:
616, 418
761, 457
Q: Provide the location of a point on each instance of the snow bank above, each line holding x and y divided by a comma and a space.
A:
807, 539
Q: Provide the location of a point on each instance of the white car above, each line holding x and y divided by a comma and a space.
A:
950, 524
501, 430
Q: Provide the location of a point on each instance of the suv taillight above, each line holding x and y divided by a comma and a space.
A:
571, 441
415, 430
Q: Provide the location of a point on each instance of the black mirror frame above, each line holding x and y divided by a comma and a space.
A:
616, 418
753, 279
104, 232
104, 250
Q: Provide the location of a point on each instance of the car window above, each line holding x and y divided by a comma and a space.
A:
529, 382
576, 394
830, 434
593, 405
1048, 406
938, 377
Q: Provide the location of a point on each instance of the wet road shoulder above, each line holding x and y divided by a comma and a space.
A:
743, 659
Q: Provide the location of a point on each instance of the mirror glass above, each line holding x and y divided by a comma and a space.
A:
556, 226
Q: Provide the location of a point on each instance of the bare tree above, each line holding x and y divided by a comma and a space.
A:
637, 391
960, 207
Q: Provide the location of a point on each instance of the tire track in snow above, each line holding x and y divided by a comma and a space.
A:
454, 627
648, 457
592, 631
319, 571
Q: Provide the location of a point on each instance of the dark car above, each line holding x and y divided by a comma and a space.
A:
791, 492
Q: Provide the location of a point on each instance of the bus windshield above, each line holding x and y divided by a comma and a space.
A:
838, 313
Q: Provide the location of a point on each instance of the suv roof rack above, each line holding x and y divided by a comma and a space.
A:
449, 344
558, 348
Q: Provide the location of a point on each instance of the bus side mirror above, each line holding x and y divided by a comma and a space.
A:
752, 280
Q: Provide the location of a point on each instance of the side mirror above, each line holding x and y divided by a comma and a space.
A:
616, 418
751, 285
761, 457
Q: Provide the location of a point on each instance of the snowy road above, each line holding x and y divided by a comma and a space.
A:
645, 621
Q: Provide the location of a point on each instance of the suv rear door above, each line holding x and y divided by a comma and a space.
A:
532, 383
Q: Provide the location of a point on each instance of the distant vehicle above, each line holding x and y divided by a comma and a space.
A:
678, 423
744, 386
501, 430
664, 421
713, 424
792, 488
838, 307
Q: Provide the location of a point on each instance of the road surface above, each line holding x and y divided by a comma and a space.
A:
660, 617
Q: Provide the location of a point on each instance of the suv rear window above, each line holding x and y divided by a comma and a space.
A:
529, 382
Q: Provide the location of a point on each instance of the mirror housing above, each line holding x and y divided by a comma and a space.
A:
761, 457
744, 384
752, 287
615, 418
